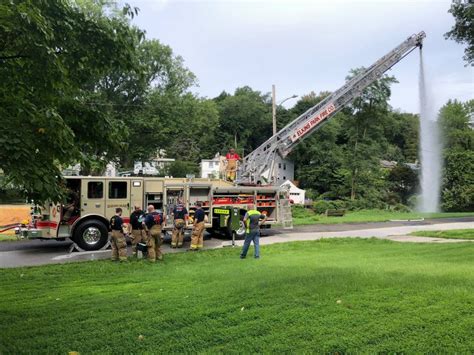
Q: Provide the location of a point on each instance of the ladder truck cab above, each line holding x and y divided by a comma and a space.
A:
92, 201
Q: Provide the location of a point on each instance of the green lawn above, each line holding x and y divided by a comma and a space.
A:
449, 234
346, 295
306, 216
7, 237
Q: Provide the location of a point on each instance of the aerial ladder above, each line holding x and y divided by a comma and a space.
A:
258, 167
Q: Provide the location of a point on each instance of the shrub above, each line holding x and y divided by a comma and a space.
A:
321, 206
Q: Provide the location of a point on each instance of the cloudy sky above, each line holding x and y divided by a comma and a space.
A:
303, 45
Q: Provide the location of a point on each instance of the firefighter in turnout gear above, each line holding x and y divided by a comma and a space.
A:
138, 234
232, 158
180, 217
153, 223
119, 244
197, 238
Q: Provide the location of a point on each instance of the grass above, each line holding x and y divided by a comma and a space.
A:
7, 237
448, 234
306, 216
344, 295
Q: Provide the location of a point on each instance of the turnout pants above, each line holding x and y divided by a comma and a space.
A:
154, 243
178, 233
197, 238
119, 246
231, 169
138, 236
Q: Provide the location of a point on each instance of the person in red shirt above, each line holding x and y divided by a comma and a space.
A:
232, 158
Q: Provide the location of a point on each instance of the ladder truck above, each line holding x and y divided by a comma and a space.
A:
258, 167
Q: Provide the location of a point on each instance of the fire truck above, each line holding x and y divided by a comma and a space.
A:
225, 203
96, 199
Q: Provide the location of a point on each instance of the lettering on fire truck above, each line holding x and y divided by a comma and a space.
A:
221, 211
313, 121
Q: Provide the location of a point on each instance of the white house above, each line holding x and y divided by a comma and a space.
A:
285, 170
154, 166
297, 195
213, 168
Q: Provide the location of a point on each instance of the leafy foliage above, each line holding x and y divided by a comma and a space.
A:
51, 54
458, 182
463, 29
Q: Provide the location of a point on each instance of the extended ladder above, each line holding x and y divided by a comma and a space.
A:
259, 165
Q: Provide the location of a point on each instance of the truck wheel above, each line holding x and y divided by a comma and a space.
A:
91, 235
239, 233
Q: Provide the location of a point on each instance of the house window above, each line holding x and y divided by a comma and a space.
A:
279, 165
211, 165
284, 166
95, 189
118, 189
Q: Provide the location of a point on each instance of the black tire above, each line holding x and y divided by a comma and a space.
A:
239, 234
91, 235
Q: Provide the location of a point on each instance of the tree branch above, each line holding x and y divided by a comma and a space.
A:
16, 56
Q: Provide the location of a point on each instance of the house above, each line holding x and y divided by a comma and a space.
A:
285, 170
211, 168
154, 166
215, 168
297, 195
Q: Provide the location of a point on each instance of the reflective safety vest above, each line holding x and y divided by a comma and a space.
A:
249, 218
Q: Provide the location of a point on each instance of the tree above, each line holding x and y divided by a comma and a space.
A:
364, 134
179, 169
458, 179
244, 120
403, 181
463, 29
50, 51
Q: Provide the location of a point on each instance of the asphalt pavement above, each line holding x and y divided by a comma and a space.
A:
39, 252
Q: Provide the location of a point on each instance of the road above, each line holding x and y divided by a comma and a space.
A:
37, 252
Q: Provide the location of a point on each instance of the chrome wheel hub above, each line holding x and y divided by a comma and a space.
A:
91, 235
241, 229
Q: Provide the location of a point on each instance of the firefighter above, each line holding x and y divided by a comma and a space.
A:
232, 158
71, 208
119, 244
180, 217
253, 219
153, 223
138, 233
197, 237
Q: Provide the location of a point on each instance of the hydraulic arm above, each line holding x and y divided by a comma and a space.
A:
259, 165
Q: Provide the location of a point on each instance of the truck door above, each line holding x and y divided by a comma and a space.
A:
136, 194
118, 195
93, 196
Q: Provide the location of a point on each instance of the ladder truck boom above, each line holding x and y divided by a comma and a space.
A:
258, 167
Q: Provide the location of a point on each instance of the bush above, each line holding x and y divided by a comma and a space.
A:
321, 206
400, 208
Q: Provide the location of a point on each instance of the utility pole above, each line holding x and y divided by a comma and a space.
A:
274, 110
274, 107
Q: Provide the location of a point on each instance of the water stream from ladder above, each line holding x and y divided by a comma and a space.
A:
430, 148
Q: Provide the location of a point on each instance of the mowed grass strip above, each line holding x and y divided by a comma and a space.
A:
344, 295
448, 234
306, 216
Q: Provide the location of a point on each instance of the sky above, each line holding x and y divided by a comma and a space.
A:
303, 45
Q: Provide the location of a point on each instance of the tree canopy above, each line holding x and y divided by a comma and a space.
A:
463, 29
